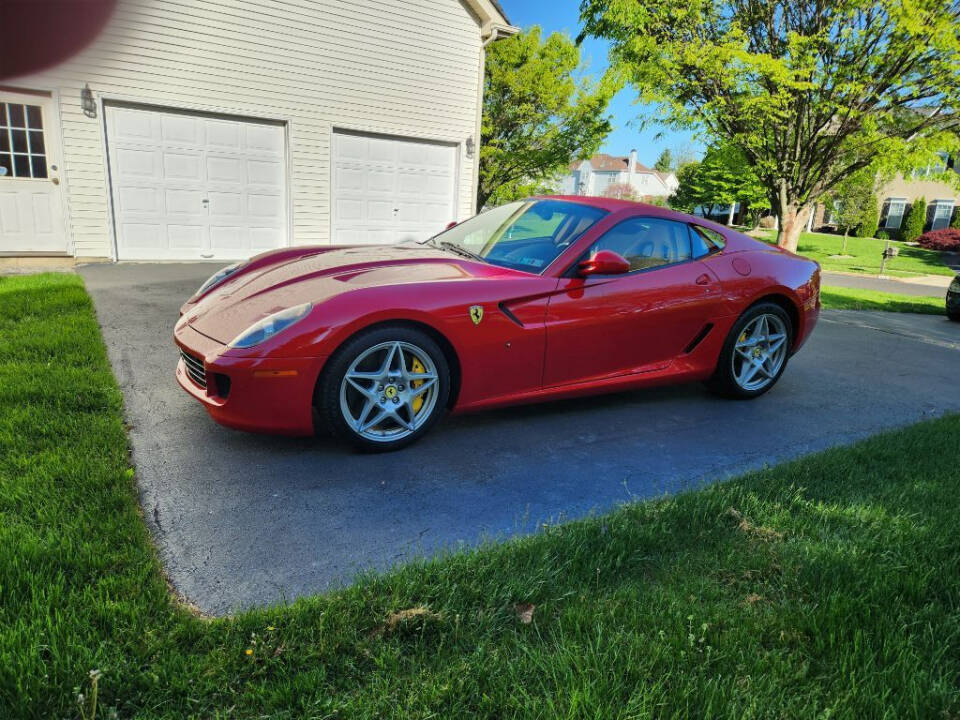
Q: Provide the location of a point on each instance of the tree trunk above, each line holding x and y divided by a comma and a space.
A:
733, 206
792, 221
843, 249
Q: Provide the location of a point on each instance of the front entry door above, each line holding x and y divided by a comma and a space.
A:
31, 206
602, 327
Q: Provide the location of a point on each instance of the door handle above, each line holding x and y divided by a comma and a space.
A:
703, 279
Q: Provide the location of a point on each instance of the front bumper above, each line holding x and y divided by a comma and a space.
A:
269, 395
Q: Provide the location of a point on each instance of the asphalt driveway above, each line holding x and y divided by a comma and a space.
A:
244, 520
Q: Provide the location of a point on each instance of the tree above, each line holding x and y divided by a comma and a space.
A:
955, 223
915, 220
664, 163
723, 177
621, 191
868, 228
810, 91
537, 117
855, 200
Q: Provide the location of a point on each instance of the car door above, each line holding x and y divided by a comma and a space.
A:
604, 326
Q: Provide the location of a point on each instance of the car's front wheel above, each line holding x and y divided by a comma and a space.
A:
755, 352
384, 388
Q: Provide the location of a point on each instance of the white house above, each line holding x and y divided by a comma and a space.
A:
596, 175
221, 128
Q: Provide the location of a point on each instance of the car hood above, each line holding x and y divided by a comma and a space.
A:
251, 295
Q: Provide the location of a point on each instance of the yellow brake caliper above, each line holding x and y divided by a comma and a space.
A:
416, 367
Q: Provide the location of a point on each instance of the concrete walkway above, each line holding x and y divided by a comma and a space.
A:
931, 286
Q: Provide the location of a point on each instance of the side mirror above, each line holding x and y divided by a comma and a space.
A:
605, 262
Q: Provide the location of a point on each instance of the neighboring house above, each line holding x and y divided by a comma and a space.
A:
594, 176
895, 197
195, 130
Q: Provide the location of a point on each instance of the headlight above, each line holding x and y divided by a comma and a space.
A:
218, 277
270, 326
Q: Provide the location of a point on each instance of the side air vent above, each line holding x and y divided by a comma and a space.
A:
698, 338
506, 311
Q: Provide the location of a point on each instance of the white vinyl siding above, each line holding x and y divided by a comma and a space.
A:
407, 68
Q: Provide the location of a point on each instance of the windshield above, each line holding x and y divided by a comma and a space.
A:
526, 235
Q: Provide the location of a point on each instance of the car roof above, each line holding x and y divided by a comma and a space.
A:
614, 205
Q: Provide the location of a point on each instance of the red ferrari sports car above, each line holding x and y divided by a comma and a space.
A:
545, 298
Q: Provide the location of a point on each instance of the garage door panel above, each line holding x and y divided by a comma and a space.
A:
190, 186
140, 163
224, 169
386, 189
227, 237
181, 129
139, 199
180, 166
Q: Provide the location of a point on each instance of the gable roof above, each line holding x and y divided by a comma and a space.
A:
602, 162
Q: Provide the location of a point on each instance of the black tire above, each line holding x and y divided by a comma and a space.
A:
327, 397
724, 382
955, 316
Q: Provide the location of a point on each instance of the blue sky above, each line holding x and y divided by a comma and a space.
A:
564, 16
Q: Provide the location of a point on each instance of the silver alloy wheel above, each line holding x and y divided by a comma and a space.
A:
389, 391
760, 352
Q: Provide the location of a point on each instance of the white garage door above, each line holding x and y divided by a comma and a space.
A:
189, 187
389, 189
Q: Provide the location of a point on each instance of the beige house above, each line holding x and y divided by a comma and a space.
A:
192, 130
895, 197
595, 175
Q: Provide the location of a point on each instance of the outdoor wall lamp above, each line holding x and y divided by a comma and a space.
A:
471, 146
87, 102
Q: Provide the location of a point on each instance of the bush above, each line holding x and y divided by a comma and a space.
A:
955, 223
768, 222
868, 227
943, 239
916, 218
882, 235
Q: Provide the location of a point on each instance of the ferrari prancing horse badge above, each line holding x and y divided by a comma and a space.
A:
476, 313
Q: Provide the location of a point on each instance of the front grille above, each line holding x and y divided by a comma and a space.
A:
194, 366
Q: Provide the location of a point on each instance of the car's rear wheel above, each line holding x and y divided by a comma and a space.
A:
384, 388
755, 353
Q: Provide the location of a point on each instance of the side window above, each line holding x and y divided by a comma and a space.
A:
705, 240
647, 242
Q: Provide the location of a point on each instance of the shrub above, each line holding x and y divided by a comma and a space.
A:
768, 222
882, 235
871, 219
916, 218
943, 239
955, 223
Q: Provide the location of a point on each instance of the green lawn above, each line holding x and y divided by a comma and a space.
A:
865, 255
828, 587
838, 298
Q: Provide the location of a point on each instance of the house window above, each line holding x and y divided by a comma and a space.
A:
895, 210
22, 149
942, 211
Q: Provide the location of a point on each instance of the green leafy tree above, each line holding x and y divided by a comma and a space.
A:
664, 163
723, 177
868, 228
855, 202
915, 220
955, 223
537, 116
810, 91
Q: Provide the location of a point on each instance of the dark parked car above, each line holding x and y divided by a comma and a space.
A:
953, 299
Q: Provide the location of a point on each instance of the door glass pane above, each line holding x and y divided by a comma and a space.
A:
6, 165
34, 117
39, 165
36, 142
21, 165
19, 140
4, 140
16, 115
